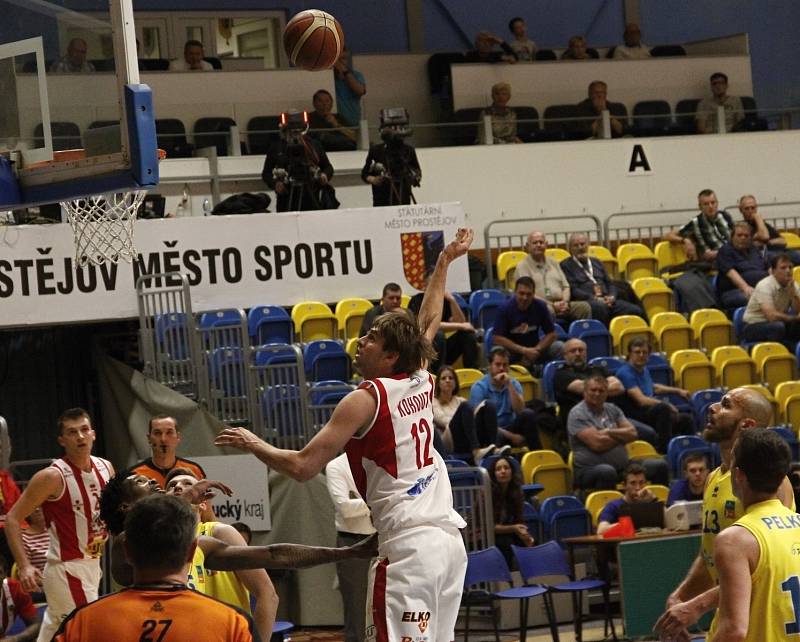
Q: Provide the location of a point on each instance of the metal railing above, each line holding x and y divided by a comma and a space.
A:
557, 230
472, 499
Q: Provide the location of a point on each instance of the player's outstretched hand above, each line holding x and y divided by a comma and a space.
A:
460, 244
366, 548
240, 438
204, 490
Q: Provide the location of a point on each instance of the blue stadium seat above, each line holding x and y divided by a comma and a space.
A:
611, 364
660, 370
594, 334
790, 438
548, 379
172, 333
483, 306
679, 447
326, 359
701, 400
269, 324
553, 505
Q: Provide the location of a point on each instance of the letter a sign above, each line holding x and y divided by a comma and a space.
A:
638, 164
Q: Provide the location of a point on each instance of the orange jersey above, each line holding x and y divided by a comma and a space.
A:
149, 469
173, 614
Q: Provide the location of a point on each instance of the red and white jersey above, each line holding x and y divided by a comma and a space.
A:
394, 464
73, 518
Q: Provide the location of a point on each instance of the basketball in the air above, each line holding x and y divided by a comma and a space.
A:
313, 40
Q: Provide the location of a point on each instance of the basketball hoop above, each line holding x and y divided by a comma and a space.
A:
103, 225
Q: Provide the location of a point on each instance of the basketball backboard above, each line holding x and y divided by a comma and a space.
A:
74, 118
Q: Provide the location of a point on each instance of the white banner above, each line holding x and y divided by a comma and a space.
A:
231, 261
248, 478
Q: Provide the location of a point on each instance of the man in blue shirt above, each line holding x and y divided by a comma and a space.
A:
524, 326
741, 266
635, 491
501, 393
690, 488
640, 402
350, 86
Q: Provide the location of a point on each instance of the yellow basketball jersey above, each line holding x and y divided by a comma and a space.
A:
720, 510
223, 585
197, 571
775, 600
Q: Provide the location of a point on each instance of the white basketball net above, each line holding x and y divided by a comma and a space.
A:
103, 227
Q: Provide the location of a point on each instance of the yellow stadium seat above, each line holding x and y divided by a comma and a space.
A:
763, 390
692, 370
655, 295
792, 240
667, 255
734, 366
639, 449
351, 347
530, 385
596, 502
672, 332
604, 255
466, 377
534, 458
788, 396
314, 320
636, 260
712, 329
624, 328
555, 478
506, 264
796, 273
349, 315
404, 300
774, 363
661, 492
557, 253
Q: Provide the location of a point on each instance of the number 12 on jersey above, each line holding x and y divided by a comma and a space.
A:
420, 431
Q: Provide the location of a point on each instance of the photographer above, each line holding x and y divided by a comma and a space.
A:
392, 167
298, 169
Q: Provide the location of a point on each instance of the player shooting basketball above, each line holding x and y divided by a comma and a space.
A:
386, 429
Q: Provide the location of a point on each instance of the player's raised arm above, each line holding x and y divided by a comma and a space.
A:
430, 313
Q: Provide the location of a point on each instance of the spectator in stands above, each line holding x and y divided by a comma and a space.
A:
504, 118
764, 235
640, 397
507, 504
773, 311
598, 432
36, 538
741, 267
633, 49
192, 60
485, 52
350, 87
589, 281
75, 59
391, 298
592, 108
634, 491
500, 393
524, 48
576, 49
706, 119
524, 327
707, 232
16, 602
335, 134
462, 340
550, 282
460, 430
690, 488
298, 169
570, 380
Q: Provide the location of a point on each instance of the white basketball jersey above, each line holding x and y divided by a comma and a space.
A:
73, 518
394, 464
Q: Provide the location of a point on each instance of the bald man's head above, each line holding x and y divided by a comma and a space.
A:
755, 406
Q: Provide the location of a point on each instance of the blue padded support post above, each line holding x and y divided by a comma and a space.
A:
142, 135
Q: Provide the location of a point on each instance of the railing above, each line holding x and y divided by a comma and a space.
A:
556, 229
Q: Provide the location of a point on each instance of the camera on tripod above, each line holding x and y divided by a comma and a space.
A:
298, 171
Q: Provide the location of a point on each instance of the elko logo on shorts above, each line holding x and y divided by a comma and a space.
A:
417, 616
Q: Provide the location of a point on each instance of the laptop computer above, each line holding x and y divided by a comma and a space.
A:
644, 515
682, 516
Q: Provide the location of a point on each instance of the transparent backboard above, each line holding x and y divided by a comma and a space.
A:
73, 112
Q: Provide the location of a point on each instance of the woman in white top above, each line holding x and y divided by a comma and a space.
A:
455, 421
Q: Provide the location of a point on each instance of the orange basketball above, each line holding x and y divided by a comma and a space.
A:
313, 40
